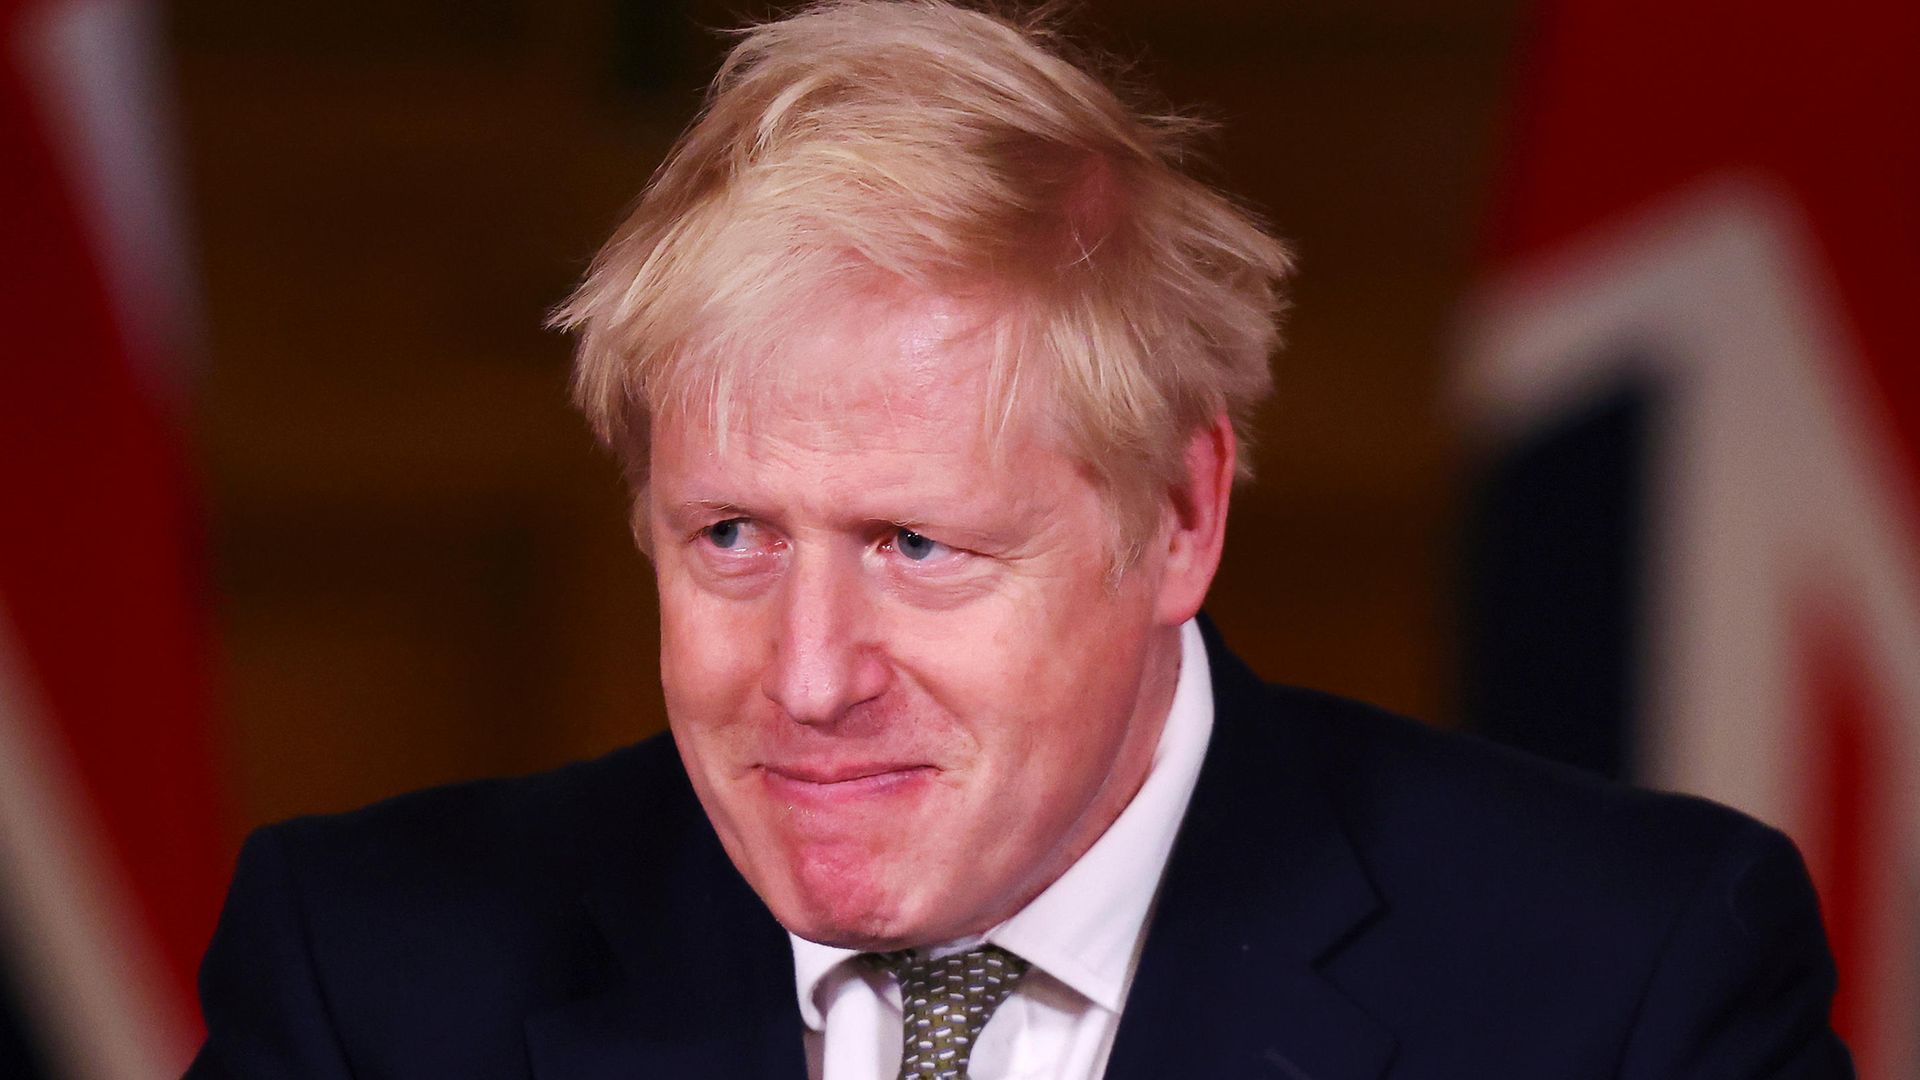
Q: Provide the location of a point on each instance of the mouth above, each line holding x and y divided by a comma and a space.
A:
831, 784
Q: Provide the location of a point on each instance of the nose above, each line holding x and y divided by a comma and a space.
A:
827, 657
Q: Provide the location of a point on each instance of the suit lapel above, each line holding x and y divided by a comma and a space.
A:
1261, 886
698, 982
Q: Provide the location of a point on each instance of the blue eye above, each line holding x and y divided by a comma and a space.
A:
725, 534
914, 546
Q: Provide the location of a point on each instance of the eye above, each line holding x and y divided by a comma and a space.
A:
916, 547
729, 534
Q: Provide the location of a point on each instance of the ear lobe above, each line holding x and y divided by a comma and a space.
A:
1197, 521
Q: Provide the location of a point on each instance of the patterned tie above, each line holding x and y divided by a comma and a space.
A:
945, 1003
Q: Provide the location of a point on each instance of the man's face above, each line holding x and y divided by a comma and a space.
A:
905, 688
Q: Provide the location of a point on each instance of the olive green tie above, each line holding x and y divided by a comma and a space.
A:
945, 1003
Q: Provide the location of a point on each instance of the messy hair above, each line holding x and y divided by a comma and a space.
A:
948, 150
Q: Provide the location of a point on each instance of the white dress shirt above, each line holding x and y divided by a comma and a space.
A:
1082, 935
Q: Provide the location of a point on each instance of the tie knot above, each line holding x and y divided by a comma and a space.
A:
944, 1004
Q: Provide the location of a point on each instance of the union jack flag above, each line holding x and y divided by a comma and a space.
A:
1693, 377
112, 857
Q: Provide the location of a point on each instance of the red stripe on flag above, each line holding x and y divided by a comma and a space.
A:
1844, 790
100, 574
1849, 799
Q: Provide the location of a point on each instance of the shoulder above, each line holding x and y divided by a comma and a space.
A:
1445, 812
1456, 800
512, 834
1421, 796
1389, 771
439, 917
1623, 920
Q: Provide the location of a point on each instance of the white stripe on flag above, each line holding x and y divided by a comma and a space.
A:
98, 71
87, 974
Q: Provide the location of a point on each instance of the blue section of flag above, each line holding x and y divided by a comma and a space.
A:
1555, 542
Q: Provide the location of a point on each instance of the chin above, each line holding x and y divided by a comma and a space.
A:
831, 921
837, 902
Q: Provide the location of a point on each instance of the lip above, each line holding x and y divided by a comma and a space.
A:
843, 782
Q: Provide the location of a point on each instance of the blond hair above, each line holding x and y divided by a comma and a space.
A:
951, 150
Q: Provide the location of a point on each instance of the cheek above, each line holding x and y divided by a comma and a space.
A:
1033, 684
707, 657
1085, 679
973, 660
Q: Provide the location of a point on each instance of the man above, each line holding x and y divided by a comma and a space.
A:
929, 370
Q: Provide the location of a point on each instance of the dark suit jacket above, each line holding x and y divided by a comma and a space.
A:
1352, 896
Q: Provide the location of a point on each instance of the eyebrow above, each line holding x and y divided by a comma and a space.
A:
704, 508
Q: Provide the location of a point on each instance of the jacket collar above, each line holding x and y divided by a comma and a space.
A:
1263, 885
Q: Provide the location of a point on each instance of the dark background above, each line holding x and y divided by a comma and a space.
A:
421, 560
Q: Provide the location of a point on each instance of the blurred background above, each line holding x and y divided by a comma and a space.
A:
1598, 429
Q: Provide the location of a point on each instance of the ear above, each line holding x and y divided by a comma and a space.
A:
1195, 529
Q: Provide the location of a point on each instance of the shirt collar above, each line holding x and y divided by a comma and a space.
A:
1085, 929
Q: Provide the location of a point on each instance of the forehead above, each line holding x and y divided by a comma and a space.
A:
876, 390
856, 361
875, 352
